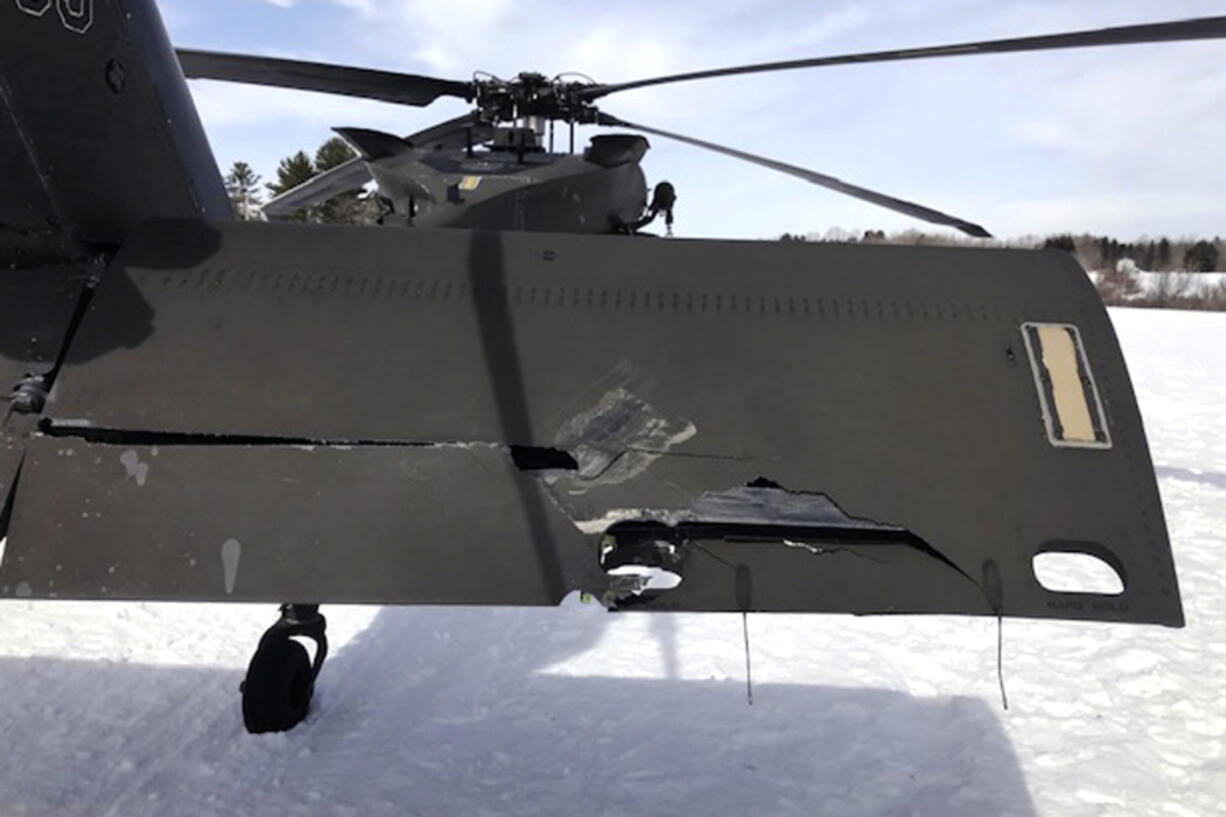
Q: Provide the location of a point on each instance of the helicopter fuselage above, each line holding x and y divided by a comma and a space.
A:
602, 190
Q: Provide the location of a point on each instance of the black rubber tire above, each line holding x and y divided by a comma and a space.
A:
278, 688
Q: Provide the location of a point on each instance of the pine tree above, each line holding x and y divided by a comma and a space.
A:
348, 207
1201, 257
335, 151
1164, 254
243, 186
1060, 242
291, 172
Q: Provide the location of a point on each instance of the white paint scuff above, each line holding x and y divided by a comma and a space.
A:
135, 468
231, 552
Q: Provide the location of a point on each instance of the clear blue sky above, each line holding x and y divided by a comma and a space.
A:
1127, 140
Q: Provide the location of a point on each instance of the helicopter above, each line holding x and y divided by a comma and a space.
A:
503, 403
437, 177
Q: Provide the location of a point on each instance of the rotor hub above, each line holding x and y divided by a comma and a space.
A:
532, 94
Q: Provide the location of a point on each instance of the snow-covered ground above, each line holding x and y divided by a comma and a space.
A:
1147, 284
132, 709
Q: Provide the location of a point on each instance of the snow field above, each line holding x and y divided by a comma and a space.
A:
133, 709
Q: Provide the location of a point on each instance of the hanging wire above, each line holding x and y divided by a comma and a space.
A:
1000, 660
748, 668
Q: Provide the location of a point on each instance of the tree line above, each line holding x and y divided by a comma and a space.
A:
1095, 253
1163, 255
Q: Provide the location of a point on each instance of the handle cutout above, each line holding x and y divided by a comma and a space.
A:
1069, 572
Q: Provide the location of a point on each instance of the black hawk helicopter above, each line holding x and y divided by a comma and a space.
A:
437, 178
514, 408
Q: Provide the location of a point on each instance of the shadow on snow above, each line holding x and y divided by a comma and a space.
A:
444, 711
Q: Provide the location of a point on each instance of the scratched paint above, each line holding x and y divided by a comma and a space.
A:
620, 437
742, 505
231, 552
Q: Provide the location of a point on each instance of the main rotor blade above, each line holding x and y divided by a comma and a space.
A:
889, 202
1202, 28
386, 86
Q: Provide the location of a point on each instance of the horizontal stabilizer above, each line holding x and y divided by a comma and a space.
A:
419, 416
348, 175
374, 144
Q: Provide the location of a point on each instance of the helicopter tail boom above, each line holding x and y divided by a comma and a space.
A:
97, 129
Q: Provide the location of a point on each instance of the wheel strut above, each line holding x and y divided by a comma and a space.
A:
281, 678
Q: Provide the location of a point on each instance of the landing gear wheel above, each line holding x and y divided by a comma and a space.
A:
281, 677
278, 688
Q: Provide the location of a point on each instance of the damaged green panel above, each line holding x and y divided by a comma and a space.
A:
640, 382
